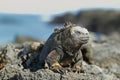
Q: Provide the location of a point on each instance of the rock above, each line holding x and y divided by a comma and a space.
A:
102, 21
39, 75
92, 69
107, 55
14, 70
22, 39
66, 17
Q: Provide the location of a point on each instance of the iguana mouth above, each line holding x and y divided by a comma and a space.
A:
84, 39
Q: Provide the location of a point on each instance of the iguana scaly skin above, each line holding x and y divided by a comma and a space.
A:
63, 47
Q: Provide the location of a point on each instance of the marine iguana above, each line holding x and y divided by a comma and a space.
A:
63, 48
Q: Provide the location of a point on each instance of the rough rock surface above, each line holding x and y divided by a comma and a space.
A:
107, 56
15, 71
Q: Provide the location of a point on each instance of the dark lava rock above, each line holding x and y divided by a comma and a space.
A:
103, 21
14, 70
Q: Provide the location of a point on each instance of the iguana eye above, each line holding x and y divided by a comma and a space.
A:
79, 32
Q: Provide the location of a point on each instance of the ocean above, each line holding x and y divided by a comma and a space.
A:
12, 25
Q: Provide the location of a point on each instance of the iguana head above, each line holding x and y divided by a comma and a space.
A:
74, 36
79, 34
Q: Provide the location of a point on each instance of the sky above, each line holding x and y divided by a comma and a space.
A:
46, 8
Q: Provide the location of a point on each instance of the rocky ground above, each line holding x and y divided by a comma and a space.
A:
106, 55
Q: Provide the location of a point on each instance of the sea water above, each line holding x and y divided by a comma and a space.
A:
12, 25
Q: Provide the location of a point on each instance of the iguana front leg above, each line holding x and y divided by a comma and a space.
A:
52, 60
77, 62
53, 63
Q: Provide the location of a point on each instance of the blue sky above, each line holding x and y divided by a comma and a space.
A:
46, 8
